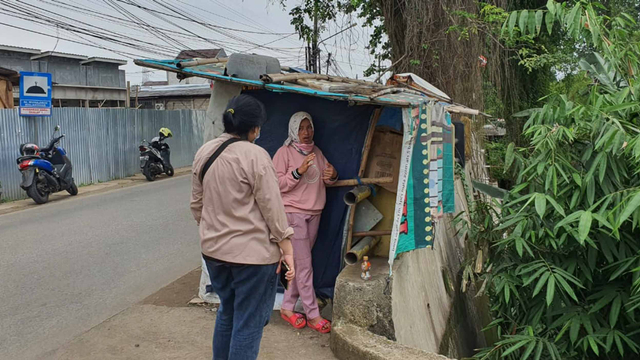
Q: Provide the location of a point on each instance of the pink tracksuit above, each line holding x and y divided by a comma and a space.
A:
304, 200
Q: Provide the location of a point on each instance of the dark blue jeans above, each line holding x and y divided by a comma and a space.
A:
247, 294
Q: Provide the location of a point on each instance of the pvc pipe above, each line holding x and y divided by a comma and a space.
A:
357, 194
360, 249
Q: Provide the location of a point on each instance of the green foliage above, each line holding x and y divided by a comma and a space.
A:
565, 277
495, 154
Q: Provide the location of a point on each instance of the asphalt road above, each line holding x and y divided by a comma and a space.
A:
67, 266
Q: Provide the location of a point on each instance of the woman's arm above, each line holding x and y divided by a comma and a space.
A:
286, 179
196, 197
330, 174
267, 194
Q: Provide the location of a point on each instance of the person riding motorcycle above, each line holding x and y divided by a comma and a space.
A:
158, 141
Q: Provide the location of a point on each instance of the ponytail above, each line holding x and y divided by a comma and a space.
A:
243, 114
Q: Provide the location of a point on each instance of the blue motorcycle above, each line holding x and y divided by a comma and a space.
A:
46, 171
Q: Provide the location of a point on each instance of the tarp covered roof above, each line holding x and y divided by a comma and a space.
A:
324, 86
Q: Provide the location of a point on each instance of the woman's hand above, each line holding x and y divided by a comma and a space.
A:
330, 173
289, 260
308, 161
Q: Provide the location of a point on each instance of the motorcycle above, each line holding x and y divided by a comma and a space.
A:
155, 157
46, 171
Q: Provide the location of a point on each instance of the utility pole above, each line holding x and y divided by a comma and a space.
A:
314, 45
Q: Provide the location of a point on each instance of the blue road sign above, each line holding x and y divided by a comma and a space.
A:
35, 94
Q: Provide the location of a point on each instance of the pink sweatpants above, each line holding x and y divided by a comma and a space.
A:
305, 229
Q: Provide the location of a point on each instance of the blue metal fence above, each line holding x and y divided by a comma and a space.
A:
101, 143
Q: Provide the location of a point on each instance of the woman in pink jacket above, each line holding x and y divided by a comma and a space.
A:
303, 173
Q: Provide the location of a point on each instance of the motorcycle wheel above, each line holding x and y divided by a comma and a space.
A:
169, 171
73, 189
40, 197
146, 171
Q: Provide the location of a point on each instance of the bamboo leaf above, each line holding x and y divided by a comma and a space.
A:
538, 351
541, 204
567, 288
569, 219
632, 206
585, 225
615, 311
606, 299
619, 107
515, 347
556, 206
528, 350
619, 345
551, 289
593, 344
509, 155
577, 179
541, 282
603, 168
519, 246
575, 329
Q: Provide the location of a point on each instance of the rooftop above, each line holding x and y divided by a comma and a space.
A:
19, 49
39, 54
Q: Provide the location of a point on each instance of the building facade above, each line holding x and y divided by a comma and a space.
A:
78, 80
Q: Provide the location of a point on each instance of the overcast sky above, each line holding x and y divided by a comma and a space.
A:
255, 26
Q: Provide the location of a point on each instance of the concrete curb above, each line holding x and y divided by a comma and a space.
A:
349, 342
135, 180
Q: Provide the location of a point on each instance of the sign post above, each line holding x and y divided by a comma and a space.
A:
35, 94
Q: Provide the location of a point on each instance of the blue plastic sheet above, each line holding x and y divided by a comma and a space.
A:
340, 131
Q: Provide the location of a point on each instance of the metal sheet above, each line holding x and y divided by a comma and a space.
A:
101, 143
367, 216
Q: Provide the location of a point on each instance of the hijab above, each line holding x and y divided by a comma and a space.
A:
294, 127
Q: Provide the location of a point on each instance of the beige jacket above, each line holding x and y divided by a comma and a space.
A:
238, 208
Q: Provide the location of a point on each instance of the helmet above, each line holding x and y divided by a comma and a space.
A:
165, 133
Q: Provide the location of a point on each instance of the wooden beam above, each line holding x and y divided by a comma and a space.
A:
200, 61
365, 181
363, 164
372, 233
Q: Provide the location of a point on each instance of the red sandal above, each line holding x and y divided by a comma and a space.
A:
293, 319
320, 326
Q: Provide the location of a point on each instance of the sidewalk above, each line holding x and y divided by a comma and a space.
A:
163, 326
138, 179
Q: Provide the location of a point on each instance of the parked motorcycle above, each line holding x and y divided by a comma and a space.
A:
47, 170
155, 157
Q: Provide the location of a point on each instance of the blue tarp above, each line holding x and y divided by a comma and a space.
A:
340, 131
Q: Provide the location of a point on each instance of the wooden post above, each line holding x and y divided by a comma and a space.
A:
137, 88
363, 164
127, 101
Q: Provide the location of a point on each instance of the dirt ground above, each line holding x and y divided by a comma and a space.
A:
164, 326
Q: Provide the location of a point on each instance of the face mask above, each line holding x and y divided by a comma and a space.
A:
257, 137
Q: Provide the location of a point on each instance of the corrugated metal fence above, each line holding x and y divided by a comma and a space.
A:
101, 143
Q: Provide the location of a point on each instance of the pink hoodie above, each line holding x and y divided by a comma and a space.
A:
308, 194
